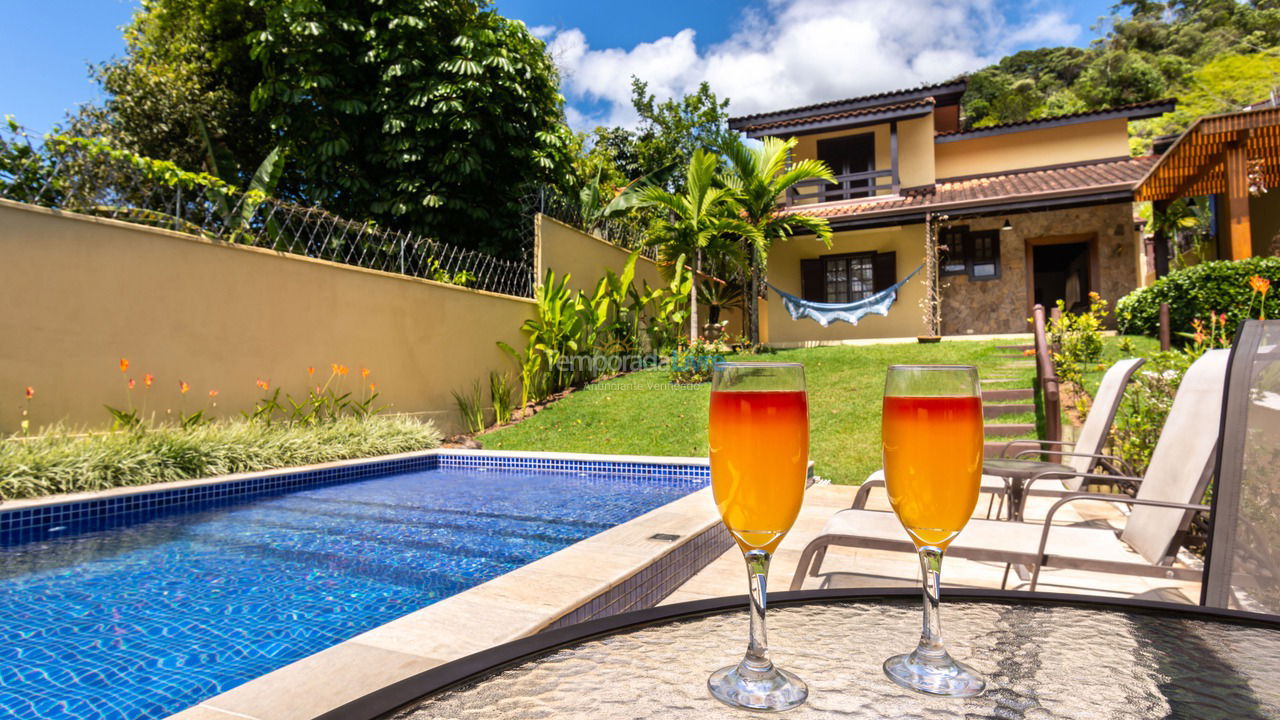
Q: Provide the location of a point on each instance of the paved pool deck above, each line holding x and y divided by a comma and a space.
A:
853, 567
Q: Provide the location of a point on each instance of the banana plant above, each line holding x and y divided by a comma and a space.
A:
262, 185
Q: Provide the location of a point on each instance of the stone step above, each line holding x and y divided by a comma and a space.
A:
995, 448
1011, 394
1006, 429
995, 411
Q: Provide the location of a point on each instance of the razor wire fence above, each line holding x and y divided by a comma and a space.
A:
627, 232
89, 177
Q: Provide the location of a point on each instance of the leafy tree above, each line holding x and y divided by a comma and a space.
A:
668, 134
701, 220
437, 117
760, 177
186, 77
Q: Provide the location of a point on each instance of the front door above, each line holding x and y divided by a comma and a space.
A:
1061, 271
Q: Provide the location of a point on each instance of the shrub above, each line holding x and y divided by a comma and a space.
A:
60, 462
693, 364
1221, 286
1077, 342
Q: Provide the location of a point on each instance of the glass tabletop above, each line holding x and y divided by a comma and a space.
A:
1044, 661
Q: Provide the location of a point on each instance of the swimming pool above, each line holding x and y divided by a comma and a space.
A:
147, 614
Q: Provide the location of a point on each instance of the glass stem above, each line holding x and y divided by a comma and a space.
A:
931, 647
757, 657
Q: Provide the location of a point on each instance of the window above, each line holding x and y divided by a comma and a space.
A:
847, 277
848, 155
976, 254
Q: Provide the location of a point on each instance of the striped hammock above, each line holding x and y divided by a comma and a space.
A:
827, 313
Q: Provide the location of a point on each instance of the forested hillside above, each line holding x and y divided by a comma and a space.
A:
1213, 55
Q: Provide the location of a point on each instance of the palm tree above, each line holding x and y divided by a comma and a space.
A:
702, 219
760, 178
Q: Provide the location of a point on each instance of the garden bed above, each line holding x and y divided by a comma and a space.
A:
62, 462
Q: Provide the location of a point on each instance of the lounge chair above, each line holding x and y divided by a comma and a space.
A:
1005, 478
1163, 509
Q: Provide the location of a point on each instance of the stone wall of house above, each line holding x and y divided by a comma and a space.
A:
1002, 305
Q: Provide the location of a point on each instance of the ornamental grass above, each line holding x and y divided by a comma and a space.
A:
59, 461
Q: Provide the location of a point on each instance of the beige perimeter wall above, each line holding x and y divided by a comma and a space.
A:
904, 319
77, 294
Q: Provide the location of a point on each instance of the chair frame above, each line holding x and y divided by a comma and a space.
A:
1110, 463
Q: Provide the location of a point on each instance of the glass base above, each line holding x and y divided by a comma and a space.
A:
934, 676
770, 690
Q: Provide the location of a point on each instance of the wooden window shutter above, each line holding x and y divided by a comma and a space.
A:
813, 285
884, 270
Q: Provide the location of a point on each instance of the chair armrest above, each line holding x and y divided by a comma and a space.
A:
1059, 475
1108, 461
1048, 519
1004, 449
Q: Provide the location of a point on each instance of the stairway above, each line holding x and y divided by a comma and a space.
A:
1002, 402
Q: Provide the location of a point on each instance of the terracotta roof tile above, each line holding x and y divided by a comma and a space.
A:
1081, 179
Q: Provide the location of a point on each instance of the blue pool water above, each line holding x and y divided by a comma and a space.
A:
142, 621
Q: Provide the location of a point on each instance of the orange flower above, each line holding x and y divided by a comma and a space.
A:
124, 365
364, 372
148, 379
131, 383
263, 385
31, 392
333, 368
1222, 319
1260, 284
373, 387
1199, 337
342, 370
183, 387
311, 370
213, 394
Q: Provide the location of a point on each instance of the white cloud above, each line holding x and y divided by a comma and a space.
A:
796, 52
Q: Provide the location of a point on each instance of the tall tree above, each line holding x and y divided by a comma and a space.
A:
760, 178
439, 117
700, 220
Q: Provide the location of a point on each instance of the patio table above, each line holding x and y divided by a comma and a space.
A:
1017, 473
1045, 656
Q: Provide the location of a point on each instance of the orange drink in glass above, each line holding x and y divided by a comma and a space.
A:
932, 439
759, 450
759, 438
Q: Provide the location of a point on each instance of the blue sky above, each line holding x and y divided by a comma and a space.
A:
761, 54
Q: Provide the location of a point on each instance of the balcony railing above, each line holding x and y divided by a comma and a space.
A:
846, 187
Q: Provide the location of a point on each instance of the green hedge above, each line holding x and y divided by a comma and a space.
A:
1221, 286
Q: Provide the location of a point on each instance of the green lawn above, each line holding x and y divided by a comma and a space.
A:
643, 414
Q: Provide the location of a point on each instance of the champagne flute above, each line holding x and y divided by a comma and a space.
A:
932, 436
759, 438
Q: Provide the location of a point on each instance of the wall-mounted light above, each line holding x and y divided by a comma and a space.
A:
1006, 225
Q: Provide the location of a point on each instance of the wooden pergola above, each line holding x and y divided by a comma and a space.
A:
1215, 156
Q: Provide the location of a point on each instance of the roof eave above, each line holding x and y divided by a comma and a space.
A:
874, 118
1138, 113
943, 93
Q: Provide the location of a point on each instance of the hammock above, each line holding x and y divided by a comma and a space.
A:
826, 313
